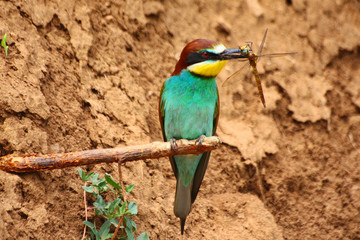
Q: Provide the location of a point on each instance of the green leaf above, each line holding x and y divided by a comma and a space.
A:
102, 185
114, 204
97, 234
107, 205
117, 212
88, 189
93, 230
99, 203
81, 174
87, 177
129, 188
108, 236
130, 223
132, 209
3, 41
129, 234
98, 212
114, 222
143, 236
133, 224
89, 224
92, 235
110, 181
105, 229
123, 208
3, 44
94, 178
108, 213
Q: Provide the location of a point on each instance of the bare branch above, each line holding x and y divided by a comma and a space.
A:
38, 162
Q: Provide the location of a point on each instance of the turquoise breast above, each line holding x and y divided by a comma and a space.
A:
189, 106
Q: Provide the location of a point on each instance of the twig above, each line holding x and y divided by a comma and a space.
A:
38, 162
86, 214
259, 182
118, 227
123, 192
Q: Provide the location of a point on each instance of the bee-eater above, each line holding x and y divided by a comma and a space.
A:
189, 109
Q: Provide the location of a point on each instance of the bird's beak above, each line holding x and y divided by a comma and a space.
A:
229, 54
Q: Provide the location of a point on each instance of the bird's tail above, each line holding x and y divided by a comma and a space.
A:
182, 224
182, 206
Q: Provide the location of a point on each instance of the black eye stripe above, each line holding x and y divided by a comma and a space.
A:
196, 57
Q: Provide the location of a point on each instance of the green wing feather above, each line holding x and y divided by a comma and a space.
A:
162, 119
201, 169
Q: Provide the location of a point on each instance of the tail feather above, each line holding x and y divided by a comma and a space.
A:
182, 224
182, 206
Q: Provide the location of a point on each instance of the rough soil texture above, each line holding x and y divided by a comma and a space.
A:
87, 74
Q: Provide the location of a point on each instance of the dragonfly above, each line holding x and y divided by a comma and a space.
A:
253, 58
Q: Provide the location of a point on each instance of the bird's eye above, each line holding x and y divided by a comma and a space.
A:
205, 54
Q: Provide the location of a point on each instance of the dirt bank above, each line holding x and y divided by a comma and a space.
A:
87, 74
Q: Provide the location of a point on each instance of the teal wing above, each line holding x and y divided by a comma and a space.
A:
162, 119
201, 169
162, 112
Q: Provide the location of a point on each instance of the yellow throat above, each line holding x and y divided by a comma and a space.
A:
209, 68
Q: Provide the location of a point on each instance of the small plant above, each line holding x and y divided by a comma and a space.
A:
3, 44
112, 210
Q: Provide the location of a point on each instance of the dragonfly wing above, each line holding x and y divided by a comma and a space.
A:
262, 43
234, 77
273, 55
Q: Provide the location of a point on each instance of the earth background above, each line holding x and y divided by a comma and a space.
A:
87, 74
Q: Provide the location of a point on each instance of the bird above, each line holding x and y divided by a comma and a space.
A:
189, 109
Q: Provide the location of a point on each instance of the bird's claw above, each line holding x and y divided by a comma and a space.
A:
173, 144
200, 140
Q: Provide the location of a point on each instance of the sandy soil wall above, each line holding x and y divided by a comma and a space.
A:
87, 74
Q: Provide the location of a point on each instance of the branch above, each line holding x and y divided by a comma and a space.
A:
38, 162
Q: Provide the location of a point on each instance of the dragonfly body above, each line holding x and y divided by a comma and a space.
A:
258, 82
247, 52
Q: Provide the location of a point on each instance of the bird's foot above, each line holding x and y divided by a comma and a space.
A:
200, 140
173, 144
